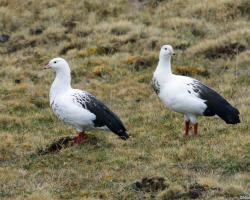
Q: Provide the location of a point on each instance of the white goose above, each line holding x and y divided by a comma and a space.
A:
189, 96
79, 108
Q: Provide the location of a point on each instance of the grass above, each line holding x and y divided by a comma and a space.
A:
112, 48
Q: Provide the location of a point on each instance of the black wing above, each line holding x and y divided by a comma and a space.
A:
216, 104
104, 116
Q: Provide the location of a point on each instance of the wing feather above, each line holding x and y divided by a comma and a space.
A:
104, 116
216, 104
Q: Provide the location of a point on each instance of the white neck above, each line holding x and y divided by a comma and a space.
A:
61, 84
163, 71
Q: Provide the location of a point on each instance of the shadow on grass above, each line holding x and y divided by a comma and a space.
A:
63, 143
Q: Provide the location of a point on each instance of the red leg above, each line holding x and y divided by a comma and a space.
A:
196, 129
187, 123
80, 138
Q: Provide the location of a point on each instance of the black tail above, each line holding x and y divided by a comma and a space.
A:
217, 105
112, 121
105, 117
229, 114
123, 135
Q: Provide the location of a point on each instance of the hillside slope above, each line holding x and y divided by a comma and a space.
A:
112, 48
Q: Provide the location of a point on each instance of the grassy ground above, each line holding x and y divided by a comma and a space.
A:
112, 48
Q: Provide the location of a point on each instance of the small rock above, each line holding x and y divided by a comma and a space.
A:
138, 100
4, 38
36, 31
17, 81
70, 24
153, 184
195, 191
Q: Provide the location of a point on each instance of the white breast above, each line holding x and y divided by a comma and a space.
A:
177, 95
64, 107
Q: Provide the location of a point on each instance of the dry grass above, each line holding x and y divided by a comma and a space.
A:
227, 45
113, 48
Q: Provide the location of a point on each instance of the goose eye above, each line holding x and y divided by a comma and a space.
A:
55, 62
166, 48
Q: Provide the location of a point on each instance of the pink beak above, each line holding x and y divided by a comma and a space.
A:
47, 66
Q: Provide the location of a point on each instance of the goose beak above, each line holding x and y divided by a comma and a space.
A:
47, 66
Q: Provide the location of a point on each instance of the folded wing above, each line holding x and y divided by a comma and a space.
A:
104, 116
216, 104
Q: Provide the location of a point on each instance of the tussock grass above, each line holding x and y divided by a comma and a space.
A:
191, 71
230, 44
112, 48
222, 10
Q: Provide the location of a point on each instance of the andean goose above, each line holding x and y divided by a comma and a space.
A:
189, 96
80, 108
